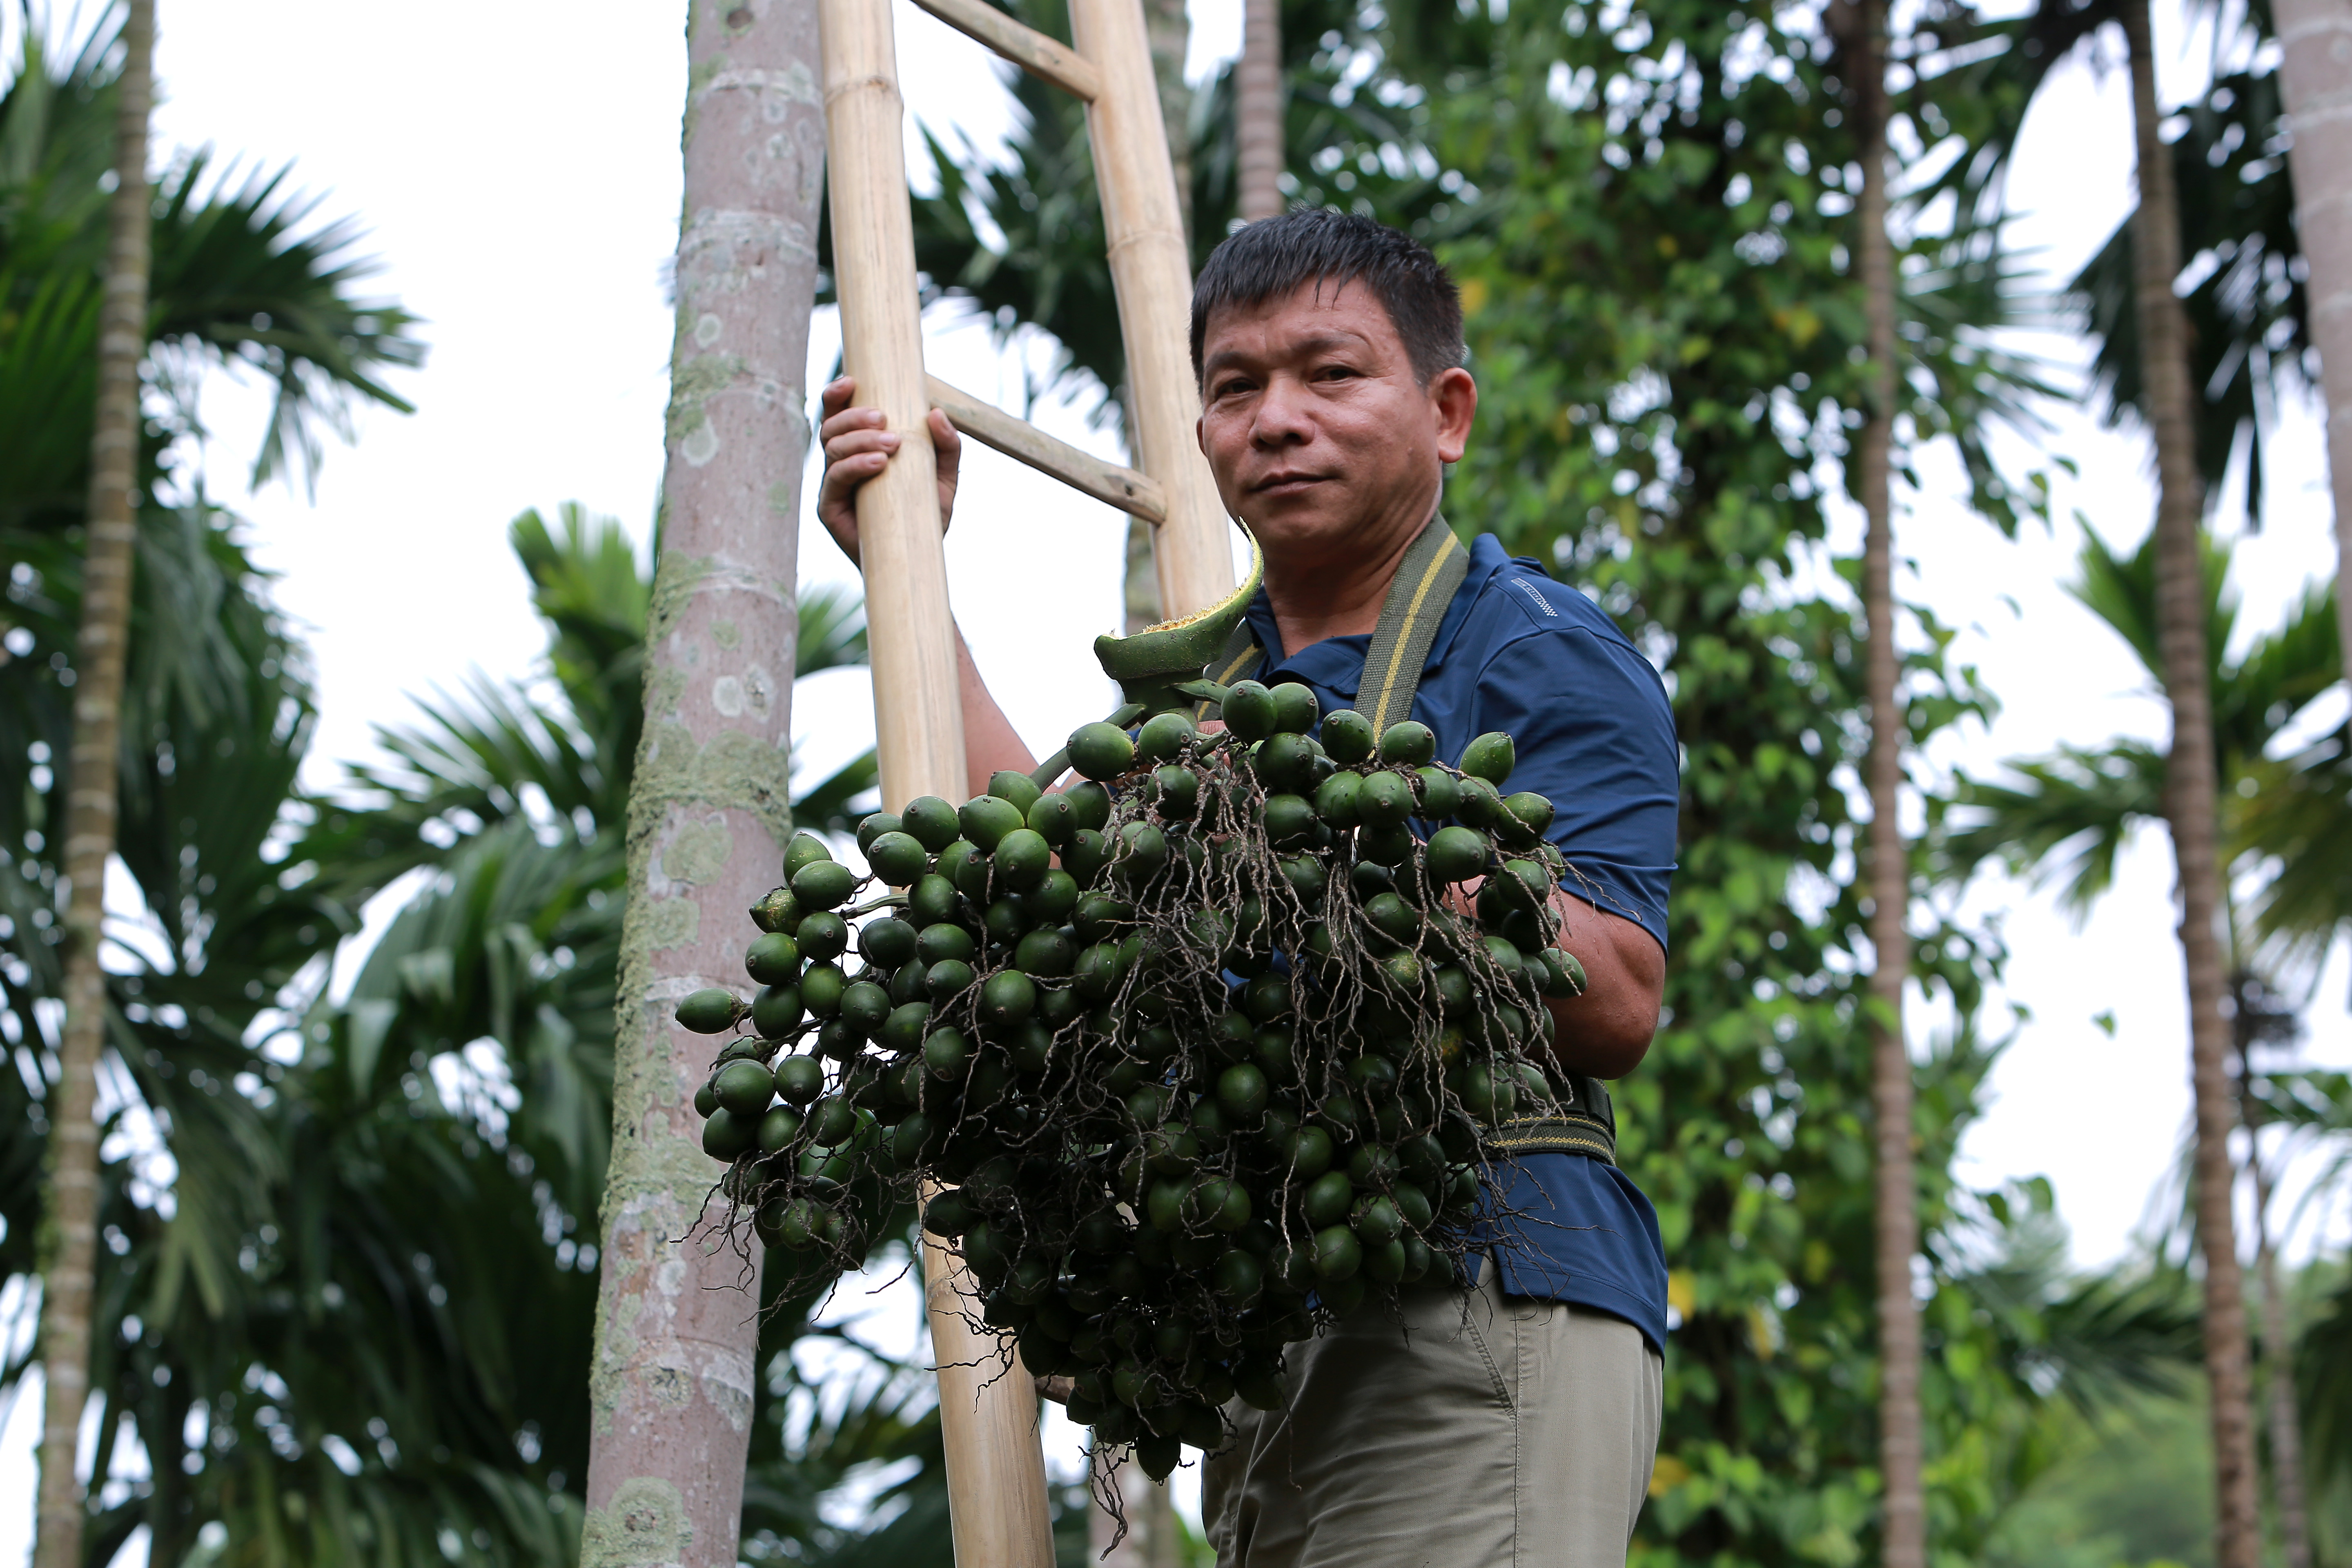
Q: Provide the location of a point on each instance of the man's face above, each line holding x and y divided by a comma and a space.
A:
1320, 437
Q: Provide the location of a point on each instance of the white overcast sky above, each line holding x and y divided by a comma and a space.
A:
517, 170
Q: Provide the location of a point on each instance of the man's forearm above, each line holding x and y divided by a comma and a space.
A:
989, 741
1608, 1030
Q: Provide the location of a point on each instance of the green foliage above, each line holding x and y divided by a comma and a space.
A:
1661, 319
2300, 818
2132, 1486
1648, 216
2130, 1483
241, 274
2323, 1369
1023, 244
2250, 342
2069, 813
348, 1246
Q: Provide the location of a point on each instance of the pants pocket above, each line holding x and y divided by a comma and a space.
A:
1487, 1328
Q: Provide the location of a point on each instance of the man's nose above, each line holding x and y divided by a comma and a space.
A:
1281, 417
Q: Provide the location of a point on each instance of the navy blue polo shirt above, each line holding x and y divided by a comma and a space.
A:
1520, 653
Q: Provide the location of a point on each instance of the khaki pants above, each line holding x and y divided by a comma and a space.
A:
1488, 1430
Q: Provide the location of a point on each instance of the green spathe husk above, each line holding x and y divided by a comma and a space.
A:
1149, 664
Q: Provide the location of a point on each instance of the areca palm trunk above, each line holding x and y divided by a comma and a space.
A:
69, 1247
1896, 1195
1257, 111
2189, 799
2278, 1343
671, 1382
2315, 76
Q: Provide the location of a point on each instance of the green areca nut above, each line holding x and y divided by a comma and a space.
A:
1248, 711
932, 822
822, 884
1410, 742
1101, 751
1007, 785
1348, 736
986, 819
773, 959
1295, 708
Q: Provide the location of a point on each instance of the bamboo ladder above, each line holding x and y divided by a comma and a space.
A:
996, 1479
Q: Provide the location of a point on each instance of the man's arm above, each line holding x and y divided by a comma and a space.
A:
858, 446
989, 741
1607, 1031
1608, 762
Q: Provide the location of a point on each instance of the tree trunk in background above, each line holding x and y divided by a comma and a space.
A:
1862, 24
2316, 77
1257, 111
2278, 1341
670, 1388
2189, 799
69, 1244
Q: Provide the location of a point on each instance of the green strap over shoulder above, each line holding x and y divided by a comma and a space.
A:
1425, 583
1433, 568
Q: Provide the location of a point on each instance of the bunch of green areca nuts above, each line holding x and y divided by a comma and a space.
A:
1201, 1047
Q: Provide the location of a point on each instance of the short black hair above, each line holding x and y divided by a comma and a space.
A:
1277, 256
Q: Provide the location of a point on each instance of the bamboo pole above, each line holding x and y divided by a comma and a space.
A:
1154, 279
918, 724
1043, 58
988, 1417
1138, 495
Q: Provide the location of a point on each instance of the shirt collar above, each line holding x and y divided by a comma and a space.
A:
1337, 663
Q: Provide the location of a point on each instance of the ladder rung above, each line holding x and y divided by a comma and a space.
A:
1131, 492
1030, 49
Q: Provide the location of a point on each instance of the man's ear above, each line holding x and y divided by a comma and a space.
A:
1454, 397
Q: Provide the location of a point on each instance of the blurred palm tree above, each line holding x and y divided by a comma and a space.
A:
2068, 816
348, 1314
216, 710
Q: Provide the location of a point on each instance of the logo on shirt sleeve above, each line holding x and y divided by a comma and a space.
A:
1532, 592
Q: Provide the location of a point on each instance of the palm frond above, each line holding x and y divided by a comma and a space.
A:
1957, 290
826, 806
2323, 1368
2299, 820
2066, 816
2281, 672
2248, 335
831, 628
1987, 81
243, 274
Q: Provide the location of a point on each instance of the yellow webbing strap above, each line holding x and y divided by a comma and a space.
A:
1566, 1134
1424, 586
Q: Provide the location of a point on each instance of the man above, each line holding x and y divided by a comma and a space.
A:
1514, 1420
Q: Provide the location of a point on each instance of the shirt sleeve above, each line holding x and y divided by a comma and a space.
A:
1595, 734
